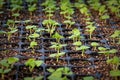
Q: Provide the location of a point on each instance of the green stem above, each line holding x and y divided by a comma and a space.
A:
9, 35
83, 52
90, 35
2, 76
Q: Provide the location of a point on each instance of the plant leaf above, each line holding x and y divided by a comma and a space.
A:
115, 73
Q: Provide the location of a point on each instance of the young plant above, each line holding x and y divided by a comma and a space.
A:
57, 47
90, 30
68, 23
50, 7
32, 8
31, 28
82, 8
115, 35
33, 36
59, 73
9, 33
51, 25
32, 63
83, 48
75, 35
108, 52
6, 66
95, 45
32, 45
115, 62
57, 36
16, 5
77, 44
57, 55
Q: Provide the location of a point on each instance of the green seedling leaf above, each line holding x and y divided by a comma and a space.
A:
57, 36
16, 14
4, 63
34, 35
32, 8
51, 70
83, 47
31, 27
67, 71
10, 22
115, 73
38, 63
113, 51
12, 60
39, 78
28, 78
6, 71
88, 78
32, 63
114, 60
115, 34
1, 71
57, 54
27, 21
33, 44
39, 30
78, 43
105, 17
102, 49
94, 44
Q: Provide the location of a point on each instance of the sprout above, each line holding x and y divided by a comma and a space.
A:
57, 47
33, 63
57, 36
94, 44
83, 48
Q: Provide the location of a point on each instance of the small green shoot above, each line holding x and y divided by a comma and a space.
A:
32, 63
83, 48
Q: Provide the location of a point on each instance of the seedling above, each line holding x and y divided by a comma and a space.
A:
90, 30
16, 5
82, 8
57, 47
59, 73
32, 8
108, 52
94, 44
75, 35
57, 36
31, 28
9, 33
57, 55
32, 45
68, 23
115, 35
32, 63
115, 62
66, 8
77, 44
83, 48
51, 25
33, 36
11, 23
6, 66
50, 7
104, 17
